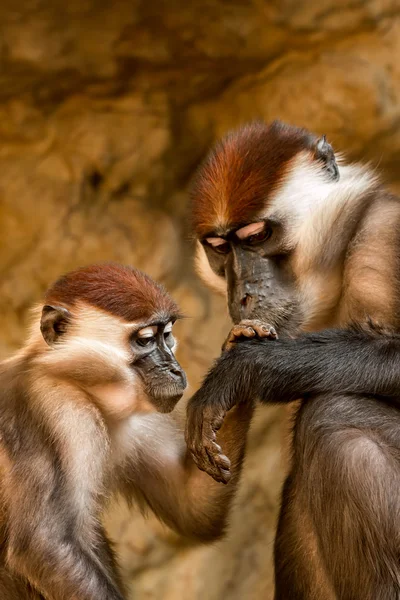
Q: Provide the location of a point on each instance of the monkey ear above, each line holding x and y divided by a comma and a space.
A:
324, 152
54, 322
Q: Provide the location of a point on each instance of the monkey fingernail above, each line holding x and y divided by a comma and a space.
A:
226, 475
224, 462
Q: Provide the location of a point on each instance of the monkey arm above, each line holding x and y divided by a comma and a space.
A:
356, 361
344, 361
166, 478
340, 361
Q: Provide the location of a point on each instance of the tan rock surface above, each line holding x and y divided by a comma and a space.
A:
106, 108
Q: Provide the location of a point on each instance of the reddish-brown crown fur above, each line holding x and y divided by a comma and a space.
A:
120, 290
239, 174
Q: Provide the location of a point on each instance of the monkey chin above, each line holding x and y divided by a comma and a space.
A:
165, 399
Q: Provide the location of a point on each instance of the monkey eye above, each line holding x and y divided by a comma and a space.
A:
219, 245
145, 341
223, 248
257, 238
146, 336
254, 233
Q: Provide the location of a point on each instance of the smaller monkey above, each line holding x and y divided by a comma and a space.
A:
82, 416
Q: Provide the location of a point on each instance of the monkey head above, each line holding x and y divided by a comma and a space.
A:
264, 205
109, 329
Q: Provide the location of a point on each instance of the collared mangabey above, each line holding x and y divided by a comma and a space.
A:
80, 419
303, 242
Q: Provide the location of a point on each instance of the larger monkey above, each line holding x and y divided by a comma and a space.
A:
80, 419
303, 243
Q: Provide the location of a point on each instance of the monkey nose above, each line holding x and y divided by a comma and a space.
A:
179, 376
246, 305
246, 300
176, 372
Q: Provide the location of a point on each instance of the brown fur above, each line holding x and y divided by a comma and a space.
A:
119, 290
237, 178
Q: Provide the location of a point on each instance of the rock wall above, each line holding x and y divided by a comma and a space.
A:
106, 108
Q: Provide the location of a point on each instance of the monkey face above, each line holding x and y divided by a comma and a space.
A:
163, 379
273, 217
109, 329
255, 265
124, 366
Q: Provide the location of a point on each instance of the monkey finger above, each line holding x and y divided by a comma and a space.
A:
211, 448
248, 332
217, 472
219, 477
267, 332
201, 460
215, 455
261, 329
220, 469
225, 475
222, 462
217, 422
219, 461
206, 464
244, 329
222, 477
212, 471
233, 335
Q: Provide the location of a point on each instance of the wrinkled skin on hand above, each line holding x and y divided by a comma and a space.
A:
204, 419
249, 329
202, 424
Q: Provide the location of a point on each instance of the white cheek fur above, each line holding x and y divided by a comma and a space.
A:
307, 201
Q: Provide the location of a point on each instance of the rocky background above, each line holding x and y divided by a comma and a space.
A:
106, 108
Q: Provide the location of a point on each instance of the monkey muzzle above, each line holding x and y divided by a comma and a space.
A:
163, 378
259, 288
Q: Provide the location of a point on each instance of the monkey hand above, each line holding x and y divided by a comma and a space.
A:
201, 426
248, 329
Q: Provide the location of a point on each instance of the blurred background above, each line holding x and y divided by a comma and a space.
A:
106, 109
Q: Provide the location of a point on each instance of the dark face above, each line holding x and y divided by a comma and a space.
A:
154, 361
258, 170
254, 262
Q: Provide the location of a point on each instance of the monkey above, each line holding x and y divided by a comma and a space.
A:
303, 242
85, 414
